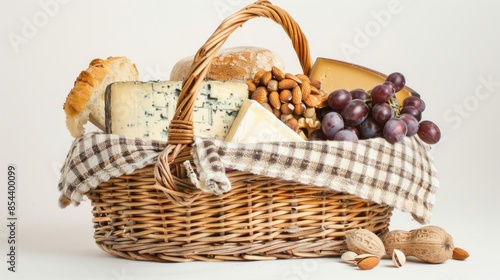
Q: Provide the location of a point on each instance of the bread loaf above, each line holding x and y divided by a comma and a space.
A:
86, 100
231, 64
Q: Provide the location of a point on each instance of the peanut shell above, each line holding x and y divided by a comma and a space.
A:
363, 241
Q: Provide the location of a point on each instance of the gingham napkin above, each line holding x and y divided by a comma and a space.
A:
401, 175
95, 158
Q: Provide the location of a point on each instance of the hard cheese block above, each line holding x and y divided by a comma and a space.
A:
145, 109
336, 74
255, 124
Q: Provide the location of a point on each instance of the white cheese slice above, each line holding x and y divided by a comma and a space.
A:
145, 109
255, 124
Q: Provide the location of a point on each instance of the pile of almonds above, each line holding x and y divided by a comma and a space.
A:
291, 98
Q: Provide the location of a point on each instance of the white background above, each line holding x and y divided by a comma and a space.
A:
448, 51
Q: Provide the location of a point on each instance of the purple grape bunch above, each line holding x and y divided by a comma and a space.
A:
359, 114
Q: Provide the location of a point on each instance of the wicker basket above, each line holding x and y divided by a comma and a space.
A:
156, 214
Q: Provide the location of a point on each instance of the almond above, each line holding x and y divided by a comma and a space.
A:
258, 76
313, 101
296, 95
303, 78
260, 95
306, 89
293, 77
274, 100
315, 90
277, 112
368, 263
315, 83
460, 254
251, 86
299, 109
287, 84
266, 77
277, 73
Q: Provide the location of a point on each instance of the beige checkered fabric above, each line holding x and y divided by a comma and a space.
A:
95, 158
401, 175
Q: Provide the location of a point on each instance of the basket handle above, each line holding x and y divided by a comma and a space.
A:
180, 132
181, 127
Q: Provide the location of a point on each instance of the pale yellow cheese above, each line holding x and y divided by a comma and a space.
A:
335, 74
256, 124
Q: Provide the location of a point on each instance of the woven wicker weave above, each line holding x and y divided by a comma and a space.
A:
156, 214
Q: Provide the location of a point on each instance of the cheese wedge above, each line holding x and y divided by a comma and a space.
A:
335, 74
255, 124
145, 109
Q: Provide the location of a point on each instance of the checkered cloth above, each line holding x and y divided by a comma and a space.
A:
95, 158
401, 175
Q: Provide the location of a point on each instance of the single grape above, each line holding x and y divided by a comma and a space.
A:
321, 113
370, 128
391, 85
338, 99
414, 102
353, 129
382, 93
397, 79
345, 135
331, 124
359, 94
317, 135
382, 112
355, 112
412, 111
395, 130
429, 132
411, 123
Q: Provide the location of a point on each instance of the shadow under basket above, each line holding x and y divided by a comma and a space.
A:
259, 219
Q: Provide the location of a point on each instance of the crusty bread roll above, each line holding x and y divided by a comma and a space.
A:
232, 64
86, 100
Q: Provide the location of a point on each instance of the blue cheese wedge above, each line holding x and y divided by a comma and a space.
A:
145, 109
255, 124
